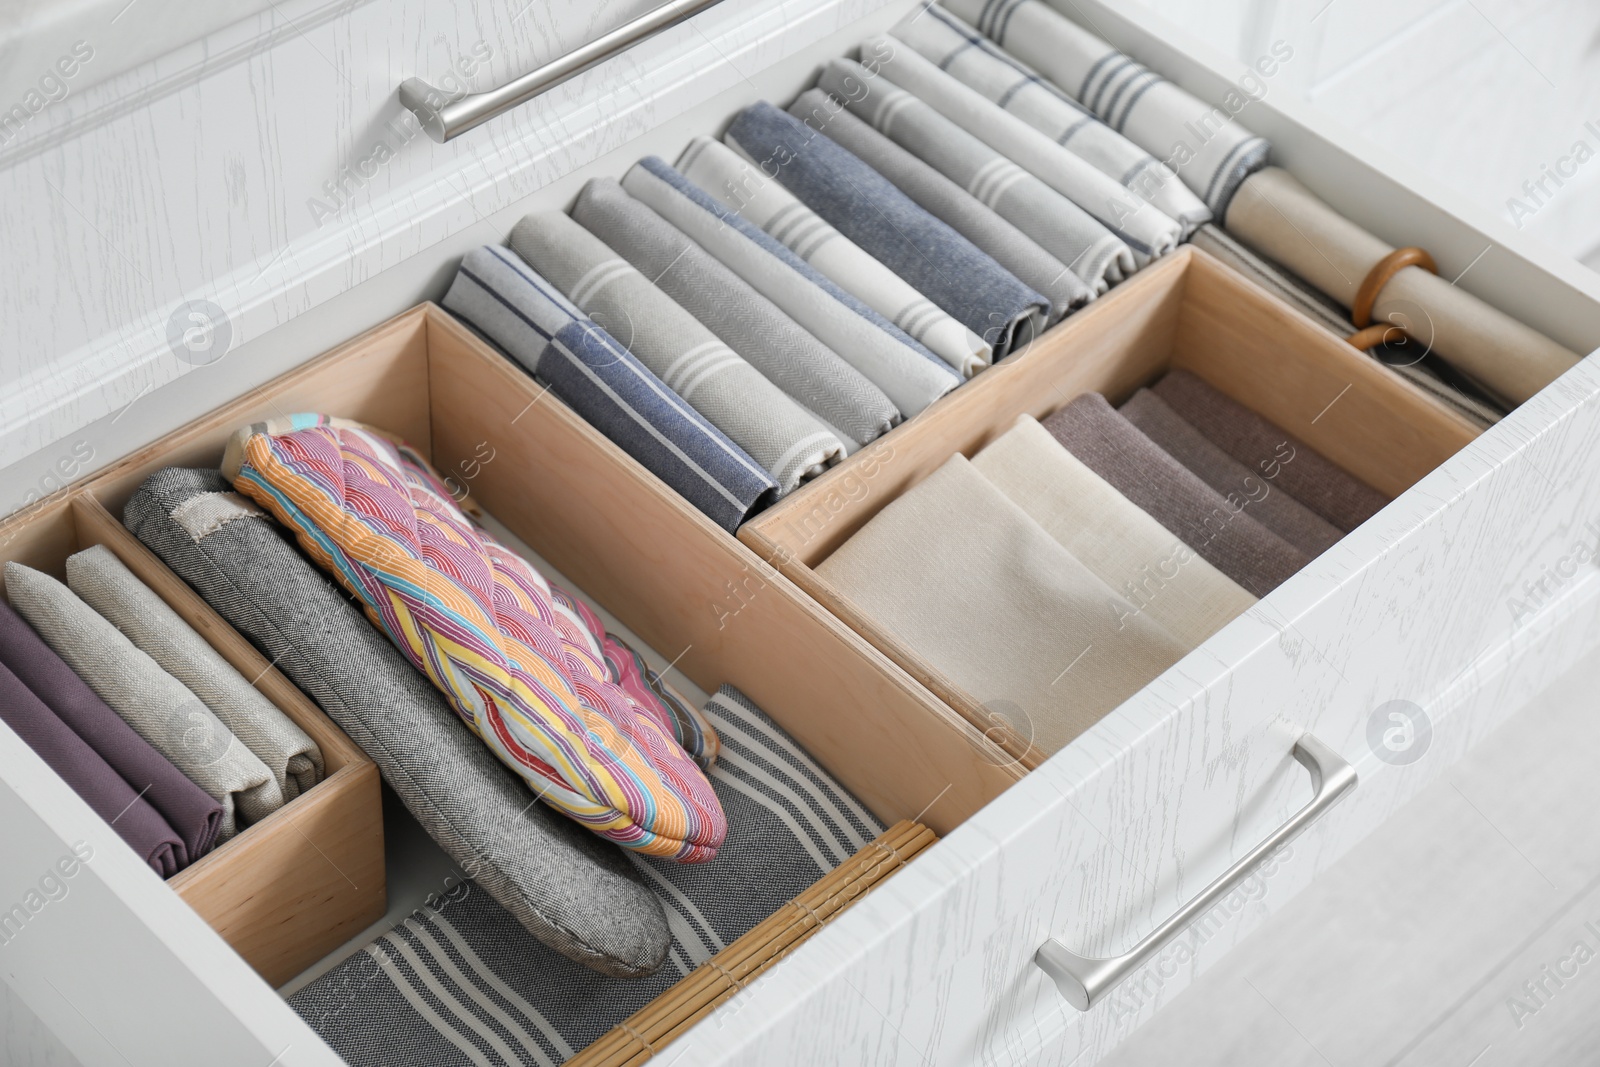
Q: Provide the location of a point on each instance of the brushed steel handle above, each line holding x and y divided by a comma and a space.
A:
1084, 980
444, 119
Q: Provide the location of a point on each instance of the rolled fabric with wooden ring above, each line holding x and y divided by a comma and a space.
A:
1378, 277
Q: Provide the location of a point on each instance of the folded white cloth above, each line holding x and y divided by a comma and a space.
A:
159, 707
740, 186
1127, 549
109, 587
1145, 230
1206, 145
975, 586
978, 62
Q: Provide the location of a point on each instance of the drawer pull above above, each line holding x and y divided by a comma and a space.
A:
446, 119
1083, 980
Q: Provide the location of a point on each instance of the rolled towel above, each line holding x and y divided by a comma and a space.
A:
106, 584
789, 442
504, 299
571, 890
161, 708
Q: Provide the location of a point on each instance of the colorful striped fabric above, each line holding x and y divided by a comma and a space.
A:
483, 626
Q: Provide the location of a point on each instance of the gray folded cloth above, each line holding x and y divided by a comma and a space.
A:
106, 584
1206, 145
895, 362
980, 64
1062, 228
746, 321
948, 202
1317, 482
161, 709
1409, 358
1268, 502
574, 892
457, 985
734, 180
788, 441
968, 580
1140, 225
1215, 526
867, 208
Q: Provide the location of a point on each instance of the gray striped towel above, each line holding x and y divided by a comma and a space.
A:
1204, 144
1142, 228
893, 360
747, 322
1064, 229
459, 983
738, 185
978, 62
947, 202
789, 442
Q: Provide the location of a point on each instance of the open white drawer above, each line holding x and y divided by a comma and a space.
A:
1459, 597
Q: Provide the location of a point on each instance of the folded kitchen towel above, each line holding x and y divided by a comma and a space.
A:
747, 322
1141, 226
504, 299
892, 359
1283, 220
1215, 526
571, 890
1205, 145
971, 583
1267, 501
162, 709
109, 587
1317, 482
134, 819
941, 264
193, 815
948, 202
1062, 228
788, 441
1127, 549
979, 63
456, 984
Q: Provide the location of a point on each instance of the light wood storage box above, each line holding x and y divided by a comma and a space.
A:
289, 889
1187, 312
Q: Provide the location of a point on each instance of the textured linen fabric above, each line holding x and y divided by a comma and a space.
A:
1283, 220
973, 585
161, 708
571, 890
867, 208
1062, 228
501, 297
891, 359
1317, 482
948, 202
1215, 526
979, 63
456, 985
1206, 145
1140, 225
477, 619
91, 777
1268, 502
106, 585
1425, 371
187, 808
788, 441
1128, 550
746, 321
735, 181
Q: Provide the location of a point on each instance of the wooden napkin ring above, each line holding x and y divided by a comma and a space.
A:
1378, 277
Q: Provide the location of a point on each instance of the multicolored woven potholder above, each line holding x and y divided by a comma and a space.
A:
524, 673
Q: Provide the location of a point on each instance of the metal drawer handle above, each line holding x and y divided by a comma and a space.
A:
1083, 981
445, 119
